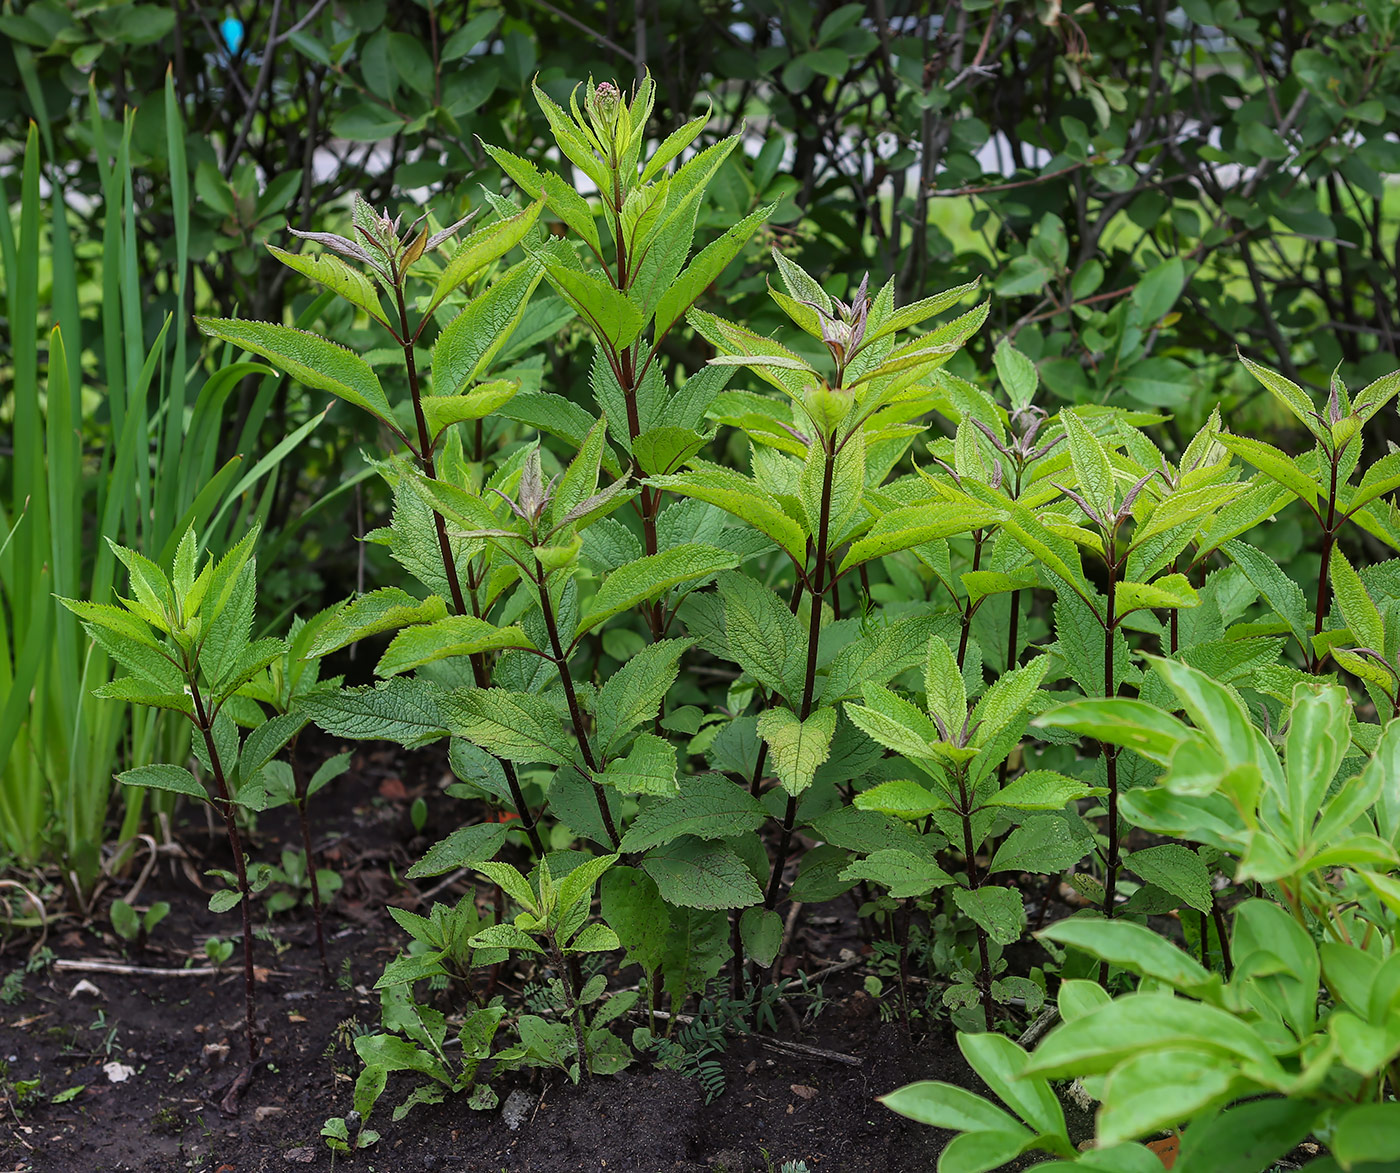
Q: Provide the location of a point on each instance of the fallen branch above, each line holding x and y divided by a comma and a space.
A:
95, 966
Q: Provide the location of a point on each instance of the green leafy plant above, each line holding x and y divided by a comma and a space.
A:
552, 921
1188, 1047
185, 640
157, 472
218, 950
134, 926
573, 552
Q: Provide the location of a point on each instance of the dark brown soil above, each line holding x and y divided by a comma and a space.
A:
170, 1030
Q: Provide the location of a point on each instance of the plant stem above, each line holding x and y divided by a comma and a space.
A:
1110, 753
1013, 647
575, 1012
1013, 634
235, 842
561, 662
300, 781
971, 607
974, 881
809, 685
1218, 915
449, 563
650, 501
425, 459
1329, 537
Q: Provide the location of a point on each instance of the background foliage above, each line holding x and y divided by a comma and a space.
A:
1145, 185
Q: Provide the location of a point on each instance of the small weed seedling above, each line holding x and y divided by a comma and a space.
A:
135, 927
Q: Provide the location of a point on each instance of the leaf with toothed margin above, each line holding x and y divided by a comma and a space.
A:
387, 609
404, 709
309, 359
454, 635
694, 874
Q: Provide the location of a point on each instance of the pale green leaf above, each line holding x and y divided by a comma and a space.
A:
797, 748
454, 635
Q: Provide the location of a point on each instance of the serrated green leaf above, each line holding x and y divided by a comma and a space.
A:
387, 609
709, 806
1288, 393
919, 311
1275, 465
1005, 701
763, 634
704, 268
1175, 869
1362, 618
607, 310
309, 359
761, 932
404, 709
1092, 468
693, 874
442, 411
944, 688
737, 494
594, 939
468, 344
509, 879
1043, 844
905, 873
516, 726
633, 694
486, 244
453, 635
981, 584
895, 723
1042, 790
329, 270
902, 798
660, 451
649, 768
1170, 591
579, 882
465, 847
797, 748
998, 910
504, 936
563, 200
1281, 592
903, 528
651, 576
164, 777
